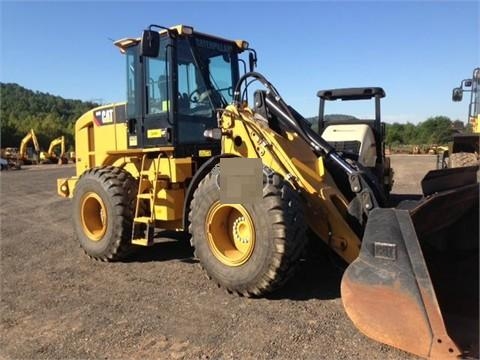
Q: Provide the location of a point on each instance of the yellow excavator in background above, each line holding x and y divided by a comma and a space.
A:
22, 156
51, 156
186, 141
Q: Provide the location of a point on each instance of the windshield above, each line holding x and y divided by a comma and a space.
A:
207, 71
215, 60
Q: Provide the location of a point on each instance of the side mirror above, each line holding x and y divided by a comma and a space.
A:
150, 45
457, 94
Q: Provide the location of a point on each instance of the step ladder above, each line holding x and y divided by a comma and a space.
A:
144, 225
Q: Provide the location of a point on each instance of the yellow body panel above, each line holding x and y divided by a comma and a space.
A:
102, 144
475, 121
169, 204
65, 186
91, 152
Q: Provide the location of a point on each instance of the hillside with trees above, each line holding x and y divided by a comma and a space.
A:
435, 130
50, 116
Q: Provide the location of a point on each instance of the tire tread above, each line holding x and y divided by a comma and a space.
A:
119, 185
287, 220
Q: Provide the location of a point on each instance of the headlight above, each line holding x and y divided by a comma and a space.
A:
214, 133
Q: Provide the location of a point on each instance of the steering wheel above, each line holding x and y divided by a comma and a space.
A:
194, 96
197, 96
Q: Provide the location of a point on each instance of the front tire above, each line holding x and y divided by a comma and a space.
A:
103, 210
249, 249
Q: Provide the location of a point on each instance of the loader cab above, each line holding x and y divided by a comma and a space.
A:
176, 80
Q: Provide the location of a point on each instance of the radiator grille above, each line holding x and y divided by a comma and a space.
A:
351, 147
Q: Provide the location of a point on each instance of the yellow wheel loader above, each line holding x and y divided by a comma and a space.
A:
186, 144
464, 148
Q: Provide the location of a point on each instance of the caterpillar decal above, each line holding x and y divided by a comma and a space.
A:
109, 115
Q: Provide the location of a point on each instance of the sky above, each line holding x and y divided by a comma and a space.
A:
417, 51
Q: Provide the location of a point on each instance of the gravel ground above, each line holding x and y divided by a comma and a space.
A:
56, 303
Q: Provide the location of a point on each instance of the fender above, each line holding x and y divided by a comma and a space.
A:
199, 175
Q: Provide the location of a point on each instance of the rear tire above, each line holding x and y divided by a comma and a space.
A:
462, 159
277, 231
103, 210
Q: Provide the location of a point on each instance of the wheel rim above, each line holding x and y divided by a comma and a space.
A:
231, 233
94, 216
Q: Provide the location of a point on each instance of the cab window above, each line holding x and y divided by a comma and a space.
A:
193, 96
156, 72
131, 96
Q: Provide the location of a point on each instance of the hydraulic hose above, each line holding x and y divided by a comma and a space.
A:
317, 143
280, 109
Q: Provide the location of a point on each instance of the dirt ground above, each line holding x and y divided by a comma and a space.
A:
56, 303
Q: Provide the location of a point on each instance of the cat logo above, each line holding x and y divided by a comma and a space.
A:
107, 116
103, 117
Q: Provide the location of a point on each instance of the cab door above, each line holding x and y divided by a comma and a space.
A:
149, 106
158, 116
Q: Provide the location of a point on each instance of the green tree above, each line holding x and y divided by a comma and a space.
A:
458, 125
50, 116
395, 134
435, 130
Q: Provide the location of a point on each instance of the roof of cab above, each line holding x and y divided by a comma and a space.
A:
125, 43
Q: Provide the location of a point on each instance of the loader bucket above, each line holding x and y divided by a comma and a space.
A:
415, 284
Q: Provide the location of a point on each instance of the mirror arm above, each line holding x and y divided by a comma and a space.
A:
253, 53
244, 71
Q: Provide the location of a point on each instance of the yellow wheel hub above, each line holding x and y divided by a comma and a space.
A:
231, 233
94, 216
